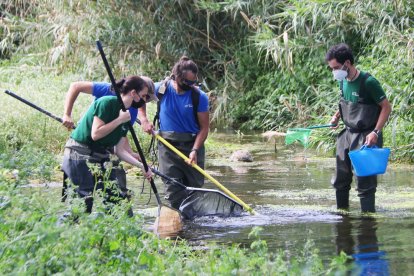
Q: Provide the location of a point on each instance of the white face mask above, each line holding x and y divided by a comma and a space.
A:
340, 74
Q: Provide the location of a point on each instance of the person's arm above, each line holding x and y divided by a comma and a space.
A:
335, 119
203, 119
100, 129
131, 152
74, 90
372, 138
146, 125
121, 150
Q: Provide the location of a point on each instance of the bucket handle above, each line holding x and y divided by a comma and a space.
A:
368, 147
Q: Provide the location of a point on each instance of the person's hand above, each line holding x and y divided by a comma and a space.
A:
124, 116
147, 127
67, 122
371, 139
148, 175
193, 157
334, 121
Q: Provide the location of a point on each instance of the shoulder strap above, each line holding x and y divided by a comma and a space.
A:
161, 91
362, 88
195, 98
341, 87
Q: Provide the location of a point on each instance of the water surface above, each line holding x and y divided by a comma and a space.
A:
291, 191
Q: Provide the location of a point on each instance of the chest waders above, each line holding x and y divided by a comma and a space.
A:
360, 119
175, 167
77, 156
183, 182
171, 164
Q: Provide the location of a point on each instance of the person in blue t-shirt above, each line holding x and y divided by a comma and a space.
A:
183, 127
101, 89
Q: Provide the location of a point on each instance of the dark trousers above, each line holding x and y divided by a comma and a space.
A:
341, 181
86, 170
175, 167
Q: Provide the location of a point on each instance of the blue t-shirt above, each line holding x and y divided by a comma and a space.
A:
176, 110
101, 89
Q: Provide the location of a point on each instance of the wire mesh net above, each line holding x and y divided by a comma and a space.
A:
206, 202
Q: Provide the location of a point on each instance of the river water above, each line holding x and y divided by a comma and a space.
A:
291, 191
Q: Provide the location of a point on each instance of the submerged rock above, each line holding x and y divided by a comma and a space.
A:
241, 155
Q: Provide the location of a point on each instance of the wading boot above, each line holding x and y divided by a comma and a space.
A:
89, 204
342, 199
368, 204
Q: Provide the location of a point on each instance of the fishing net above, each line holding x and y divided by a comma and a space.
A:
298, 134
206, 202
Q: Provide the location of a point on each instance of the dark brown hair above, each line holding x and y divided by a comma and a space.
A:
182, 66
125, 85
341, 53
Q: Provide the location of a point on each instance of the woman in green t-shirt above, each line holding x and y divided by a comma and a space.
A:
103, 127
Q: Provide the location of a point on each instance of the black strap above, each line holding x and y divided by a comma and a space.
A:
160, 95
195, 98
362, 89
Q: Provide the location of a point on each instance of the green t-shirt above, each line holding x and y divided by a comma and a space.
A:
107, 109
372, 88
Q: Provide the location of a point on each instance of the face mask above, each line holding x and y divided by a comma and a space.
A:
138, 104
340, 74
184, 87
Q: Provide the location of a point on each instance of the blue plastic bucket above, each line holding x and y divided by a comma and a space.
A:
369, 161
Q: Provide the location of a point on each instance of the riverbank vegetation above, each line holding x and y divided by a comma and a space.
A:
262, 63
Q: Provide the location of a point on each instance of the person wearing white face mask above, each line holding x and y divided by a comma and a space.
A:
364, 110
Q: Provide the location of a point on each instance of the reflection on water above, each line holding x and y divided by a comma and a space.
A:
358, 238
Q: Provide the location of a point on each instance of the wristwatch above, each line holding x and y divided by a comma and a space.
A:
377, 131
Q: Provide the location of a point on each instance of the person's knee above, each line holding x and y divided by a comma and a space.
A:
365, 193
341, 181
120, 176
367, 186
341, 185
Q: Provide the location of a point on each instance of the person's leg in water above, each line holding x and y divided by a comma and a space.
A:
342, 179
367, 187
172, 165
